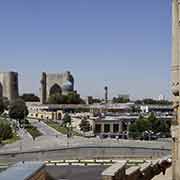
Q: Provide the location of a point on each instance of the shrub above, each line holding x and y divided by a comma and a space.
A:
5, 130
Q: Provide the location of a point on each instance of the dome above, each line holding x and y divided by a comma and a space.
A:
67, 86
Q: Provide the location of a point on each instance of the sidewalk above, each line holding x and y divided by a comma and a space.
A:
168, 176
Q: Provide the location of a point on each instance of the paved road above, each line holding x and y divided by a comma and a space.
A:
44, 129
24, 135
51, 139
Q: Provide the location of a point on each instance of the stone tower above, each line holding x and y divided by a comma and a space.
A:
106, 94
9, 85
176, 87
43, 88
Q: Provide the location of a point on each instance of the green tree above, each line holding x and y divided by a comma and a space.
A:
85, 125
120, 99
70, 98
73, 98
153, 123
150, 101
57, 99
6, 103
5, 130
2, 106
18, 110
137, 128
66, 119
67, 124
29, 97
158, 125
142, 124
133, 131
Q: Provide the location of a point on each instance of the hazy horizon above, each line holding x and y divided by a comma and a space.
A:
125, 45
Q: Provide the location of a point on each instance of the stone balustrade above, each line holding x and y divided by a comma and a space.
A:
146, 171
133, 173
115, 172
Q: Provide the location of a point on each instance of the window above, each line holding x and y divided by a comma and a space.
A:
106, 128
98, 128
115, 128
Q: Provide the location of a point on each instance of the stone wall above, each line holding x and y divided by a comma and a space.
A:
40, 175
133, 173
115, 172
97, 152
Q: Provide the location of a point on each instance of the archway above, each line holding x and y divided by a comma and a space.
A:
55, 89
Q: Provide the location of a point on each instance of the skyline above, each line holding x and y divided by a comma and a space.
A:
77, 36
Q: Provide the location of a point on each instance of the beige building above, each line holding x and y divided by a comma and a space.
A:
112, 126
44, 112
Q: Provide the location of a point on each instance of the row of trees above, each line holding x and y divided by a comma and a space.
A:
153, 102
85, 125
6, 131
29, 97
148, 101
70, 98
17, 109
149, 124
67, 123
121, 99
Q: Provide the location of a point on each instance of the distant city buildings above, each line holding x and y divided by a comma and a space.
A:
161, 97
156, 108
124, 96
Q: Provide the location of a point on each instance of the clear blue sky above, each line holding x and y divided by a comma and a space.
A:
125, 44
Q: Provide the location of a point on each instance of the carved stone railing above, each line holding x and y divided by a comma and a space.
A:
146, 171
115, 172
133, 173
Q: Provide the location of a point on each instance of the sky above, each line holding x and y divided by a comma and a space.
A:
125, 45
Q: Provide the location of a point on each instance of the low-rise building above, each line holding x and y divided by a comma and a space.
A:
157, 109
118, 125
45, 112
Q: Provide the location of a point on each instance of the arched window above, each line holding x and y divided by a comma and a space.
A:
55, 89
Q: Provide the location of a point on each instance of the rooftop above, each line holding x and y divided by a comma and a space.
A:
21, 170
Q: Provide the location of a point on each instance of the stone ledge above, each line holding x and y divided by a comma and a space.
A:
133, 173
116, 171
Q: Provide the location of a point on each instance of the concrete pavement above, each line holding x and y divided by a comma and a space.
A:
44, 128
52, 140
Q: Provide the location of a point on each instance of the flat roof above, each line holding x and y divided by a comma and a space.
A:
95, 106
70, 172
21, 170
120, 118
